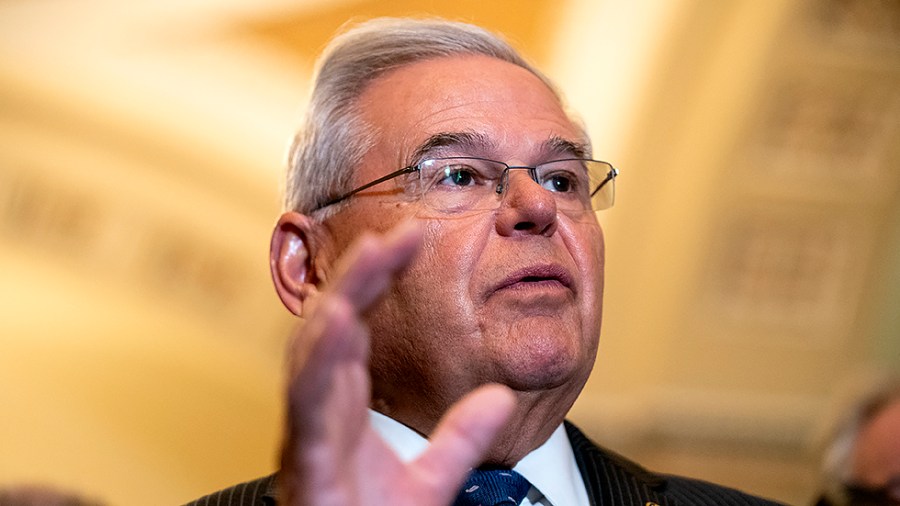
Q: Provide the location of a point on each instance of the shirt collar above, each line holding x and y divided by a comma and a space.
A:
407, 443
550, 468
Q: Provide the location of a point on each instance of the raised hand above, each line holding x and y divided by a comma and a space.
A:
330, 454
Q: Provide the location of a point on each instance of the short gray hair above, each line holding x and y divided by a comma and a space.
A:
333, 138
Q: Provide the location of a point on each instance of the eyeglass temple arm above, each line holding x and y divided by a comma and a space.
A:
609, 177
368, 185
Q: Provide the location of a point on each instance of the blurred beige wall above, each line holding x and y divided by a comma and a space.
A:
753, 253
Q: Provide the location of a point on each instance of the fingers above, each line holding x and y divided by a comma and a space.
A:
368, 267
334, 329
463, 437
329, 387
327, 394
334, 335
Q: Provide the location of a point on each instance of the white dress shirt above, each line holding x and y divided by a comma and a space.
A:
550, 468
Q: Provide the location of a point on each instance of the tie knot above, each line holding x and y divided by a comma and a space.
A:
493, 487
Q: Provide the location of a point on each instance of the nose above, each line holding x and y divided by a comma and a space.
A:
525, 207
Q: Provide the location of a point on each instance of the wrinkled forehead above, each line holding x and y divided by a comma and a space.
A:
513, 114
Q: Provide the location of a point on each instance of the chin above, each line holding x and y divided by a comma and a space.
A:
544, 366
540, 353
535, 381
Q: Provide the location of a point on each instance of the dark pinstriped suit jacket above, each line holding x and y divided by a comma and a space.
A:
611, 480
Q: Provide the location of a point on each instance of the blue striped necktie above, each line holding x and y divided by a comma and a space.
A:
494, 487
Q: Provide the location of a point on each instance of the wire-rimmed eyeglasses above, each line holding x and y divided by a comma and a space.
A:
458, 184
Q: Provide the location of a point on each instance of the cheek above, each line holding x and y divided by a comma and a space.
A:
434, 290
586, 245
599, 259
451, 256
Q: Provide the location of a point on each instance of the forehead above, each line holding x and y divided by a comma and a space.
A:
495, 99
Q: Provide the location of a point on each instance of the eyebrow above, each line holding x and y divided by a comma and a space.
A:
474, 142
557, 144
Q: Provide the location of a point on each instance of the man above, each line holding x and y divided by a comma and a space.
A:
442, 245
861, 461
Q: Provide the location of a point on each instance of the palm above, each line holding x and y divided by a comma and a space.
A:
330, 454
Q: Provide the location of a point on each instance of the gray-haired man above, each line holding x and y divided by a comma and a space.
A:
441, 243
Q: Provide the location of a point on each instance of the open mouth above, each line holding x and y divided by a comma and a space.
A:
536, 279
538, 276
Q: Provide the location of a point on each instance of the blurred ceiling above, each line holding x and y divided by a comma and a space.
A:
754, 251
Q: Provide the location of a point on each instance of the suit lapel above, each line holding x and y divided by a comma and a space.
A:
613, 480
270, 496
610, 479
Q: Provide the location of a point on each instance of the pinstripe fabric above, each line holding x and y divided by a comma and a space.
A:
613, 480
260, 492
610, 479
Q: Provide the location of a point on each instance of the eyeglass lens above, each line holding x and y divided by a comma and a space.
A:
460, 184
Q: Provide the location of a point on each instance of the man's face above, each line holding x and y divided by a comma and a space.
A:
511, 295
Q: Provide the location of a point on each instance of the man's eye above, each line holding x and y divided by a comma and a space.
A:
459, 176
560, 182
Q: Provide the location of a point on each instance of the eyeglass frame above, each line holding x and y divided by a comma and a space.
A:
610, 176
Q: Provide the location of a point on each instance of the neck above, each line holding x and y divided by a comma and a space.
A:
536, 416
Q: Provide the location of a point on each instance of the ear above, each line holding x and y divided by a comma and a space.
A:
296, 243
